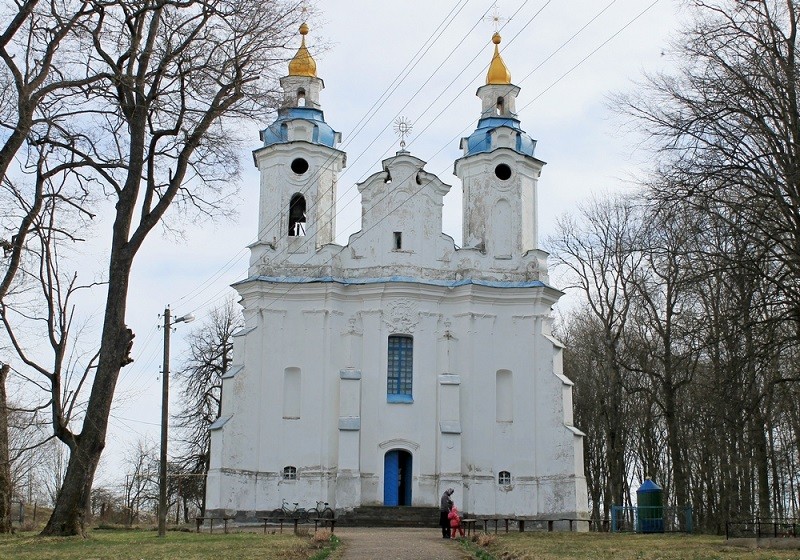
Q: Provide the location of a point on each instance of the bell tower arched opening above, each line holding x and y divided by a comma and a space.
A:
297, 215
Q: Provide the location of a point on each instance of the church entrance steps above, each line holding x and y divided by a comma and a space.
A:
389, 516
404, 542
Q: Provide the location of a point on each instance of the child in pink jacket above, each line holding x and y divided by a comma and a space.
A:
455, 523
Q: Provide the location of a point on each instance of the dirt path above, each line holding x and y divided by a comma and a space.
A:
396, 544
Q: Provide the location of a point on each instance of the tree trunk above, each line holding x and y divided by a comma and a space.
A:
71, 512
5, 457
761, 460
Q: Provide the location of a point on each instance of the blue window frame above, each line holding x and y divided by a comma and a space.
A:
400, 370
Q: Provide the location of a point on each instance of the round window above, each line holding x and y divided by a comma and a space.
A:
503, 172
299, 166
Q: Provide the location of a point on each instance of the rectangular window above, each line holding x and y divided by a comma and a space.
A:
291, 393
400, 369
398, 240
504, 394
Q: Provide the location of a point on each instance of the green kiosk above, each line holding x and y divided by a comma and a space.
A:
650, 508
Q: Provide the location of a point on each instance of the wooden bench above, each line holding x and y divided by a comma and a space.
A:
573, 523
280, 520
496, 520
224, 518
469, 525
322, 522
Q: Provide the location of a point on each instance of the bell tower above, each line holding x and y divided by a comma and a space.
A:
499, 172
300, 165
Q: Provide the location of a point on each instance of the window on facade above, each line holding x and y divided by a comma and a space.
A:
289, 473
400, 368
398, 240
291, 393
502, 172
500, 105
297, 215
301, 97
299, 166
504, 396
504, 478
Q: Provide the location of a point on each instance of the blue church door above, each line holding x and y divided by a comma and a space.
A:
397, 478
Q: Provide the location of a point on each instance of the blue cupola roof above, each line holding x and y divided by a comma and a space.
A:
481, 140
278, 133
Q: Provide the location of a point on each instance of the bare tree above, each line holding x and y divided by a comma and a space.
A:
210, 355
33, 35
726, 129
599, 254
664, 348
5, 458
141, 478
35, 44
726, 126
153, 119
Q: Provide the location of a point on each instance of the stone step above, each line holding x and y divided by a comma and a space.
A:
390, 516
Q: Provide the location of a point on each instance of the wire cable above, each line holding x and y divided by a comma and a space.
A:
360, 125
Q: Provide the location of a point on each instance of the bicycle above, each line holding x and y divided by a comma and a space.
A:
284, 512
322, 510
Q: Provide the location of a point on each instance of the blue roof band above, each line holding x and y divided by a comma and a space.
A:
480, 141
277, 132
363, 281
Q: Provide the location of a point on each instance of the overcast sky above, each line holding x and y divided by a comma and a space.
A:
367, 45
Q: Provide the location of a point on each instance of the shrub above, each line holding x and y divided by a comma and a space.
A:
322, 536
484, 540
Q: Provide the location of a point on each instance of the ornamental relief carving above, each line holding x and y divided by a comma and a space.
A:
354, 325
511, 184
401, 316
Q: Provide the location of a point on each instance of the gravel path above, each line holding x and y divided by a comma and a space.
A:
396, 544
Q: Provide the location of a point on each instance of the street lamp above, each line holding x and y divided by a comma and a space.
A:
162, 475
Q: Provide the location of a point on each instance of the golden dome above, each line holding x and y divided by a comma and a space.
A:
302, 64
498, 71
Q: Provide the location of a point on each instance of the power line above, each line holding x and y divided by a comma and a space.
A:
359, 127
341, 207
630, 22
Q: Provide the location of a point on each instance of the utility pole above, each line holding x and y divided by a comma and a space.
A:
162, 475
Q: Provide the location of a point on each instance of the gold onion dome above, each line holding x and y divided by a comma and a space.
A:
302, 64
498, 71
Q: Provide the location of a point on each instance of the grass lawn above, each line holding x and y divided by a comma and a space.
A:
145, 545
591, 546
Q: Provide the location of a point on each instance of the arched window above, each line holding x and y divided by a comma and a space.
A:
289, 473
301, 97
297, 215
400, 372
504, 478
501, 103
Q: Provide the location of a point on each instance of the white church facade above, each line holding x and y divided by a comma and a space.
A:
384, 371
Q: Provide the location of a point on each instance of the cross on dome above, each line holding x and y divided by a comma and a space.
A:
498, 71
496, 18
403, 127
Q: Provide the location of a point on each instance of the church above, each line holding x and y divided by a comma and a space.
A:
382, 372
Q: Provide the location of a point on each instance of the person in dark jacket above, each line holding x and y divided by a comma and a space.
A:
444, 510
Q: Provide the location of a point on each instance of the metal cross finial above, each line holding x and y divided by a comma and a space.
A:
304, 9
496, 18
402, 127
